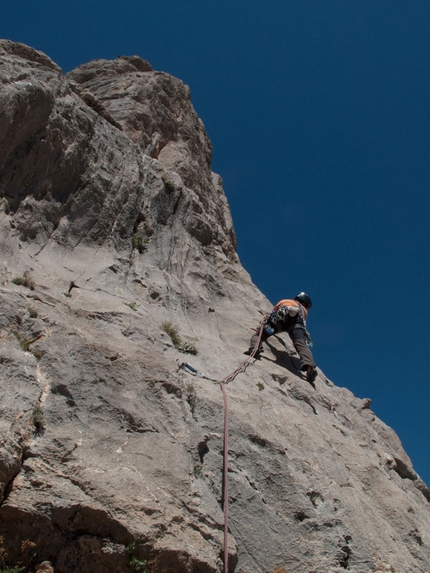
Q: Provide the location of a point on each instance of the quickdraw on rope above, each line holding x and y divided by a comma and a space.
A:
194, 371
229, 378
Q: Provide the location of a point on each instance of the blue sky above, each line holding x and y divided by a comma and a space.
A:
318, 111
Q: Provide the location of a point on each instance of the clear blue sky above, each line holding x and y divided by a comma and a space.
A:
318, 111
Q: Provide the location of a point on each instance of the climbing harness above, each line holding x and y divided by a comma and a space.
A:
284, 312
226, 380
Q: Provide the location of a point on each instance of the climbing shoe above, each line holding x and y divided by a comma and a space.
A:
311, 374
257, 355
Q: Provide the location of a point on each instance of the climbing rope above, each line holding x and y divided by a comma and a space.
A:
241, 368
226, 380
243, 365
225, 476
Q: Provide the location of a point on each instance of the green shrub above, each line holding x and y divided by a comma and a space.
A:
186, 346
169, 186
23, 342
173, 331
26, 280
139, 243
138, 565
27, 554
191, 397
38, 419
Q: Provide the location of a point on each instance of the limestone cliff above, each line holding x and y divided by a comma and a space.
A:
118, 257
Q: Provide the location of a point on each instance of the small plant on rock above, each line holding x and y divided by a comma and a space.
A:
23, 342
27, 555
139, 243
138, 565
33, 313
188, 347
169, 185
191, 397
131, 305
26, 280
173, 331
38, 419
38, 354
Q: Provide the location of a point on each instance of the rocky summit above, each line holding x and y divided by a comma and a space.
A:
123, 307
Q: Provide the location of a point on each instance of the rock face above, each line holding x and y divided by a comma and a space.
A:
117, 255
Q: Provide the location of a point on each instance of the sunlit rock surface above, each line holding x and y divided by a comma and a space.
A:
113, 229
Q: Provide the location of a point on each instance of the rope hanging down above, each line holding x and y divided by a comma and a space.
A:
224, 381
229, 378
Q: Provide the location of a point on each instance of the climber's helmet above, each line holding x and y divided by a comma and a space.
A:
304, 299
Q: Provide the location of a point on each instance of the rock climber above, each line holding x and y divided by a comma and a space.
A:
290, 316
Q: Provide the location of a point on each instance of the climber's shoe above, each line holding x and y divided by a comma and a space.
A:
257, 355
311, 373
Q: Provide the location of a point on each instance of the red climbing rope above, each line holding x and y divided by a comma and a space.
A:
243, 365
225, 477
241, 368
224, 381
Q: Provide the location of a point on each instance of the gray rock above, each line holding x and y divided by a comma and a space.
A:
113, 233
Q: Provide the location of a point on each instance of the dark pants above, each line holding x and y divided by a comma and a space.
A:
298, 338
